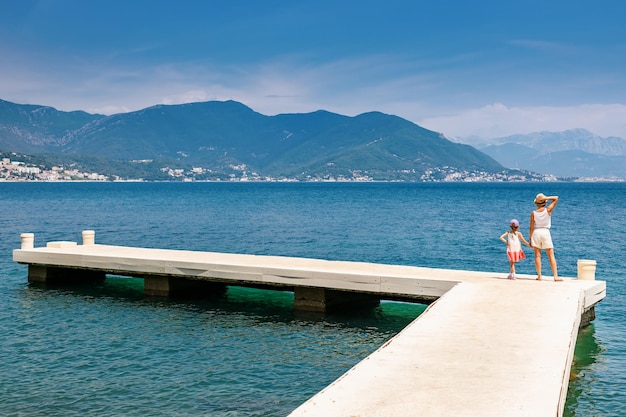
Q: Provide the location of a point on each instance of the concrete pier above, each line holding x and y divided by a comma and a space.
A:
486, 346
318, 285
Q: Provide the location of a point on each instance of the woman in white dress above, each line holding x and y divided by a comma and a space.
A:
540, 238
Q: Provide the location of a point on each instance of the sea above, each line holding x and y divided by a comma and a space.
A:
108, 350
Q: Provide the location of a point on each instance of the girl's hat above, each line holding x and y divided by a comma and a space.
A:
515, 223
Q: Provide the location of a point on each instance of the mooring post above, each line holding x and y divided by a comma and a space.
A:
587, 269
28, 240
89, 237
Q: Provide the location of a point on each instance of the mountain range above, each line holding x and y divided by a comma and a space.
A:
222, 139
571, 153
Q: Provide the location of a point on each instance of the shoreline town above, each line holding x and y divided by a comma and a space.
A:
18, 171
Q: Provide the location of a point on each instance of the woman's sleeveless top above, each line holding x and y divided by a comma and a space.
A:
542, 219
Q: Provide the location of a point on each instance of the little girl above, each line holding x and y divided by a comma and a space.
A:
513, 246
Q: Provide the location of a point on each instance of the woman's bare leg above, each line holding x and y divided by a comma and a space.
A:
538, 262
552, 258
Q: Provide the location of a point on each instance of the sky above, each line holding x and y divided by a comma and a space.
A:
462, 68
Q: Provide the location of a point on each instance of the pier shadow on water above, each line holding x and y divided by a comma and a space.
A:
389, 316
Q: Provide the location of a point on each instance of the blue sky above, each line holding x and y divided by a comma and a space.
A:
486, 68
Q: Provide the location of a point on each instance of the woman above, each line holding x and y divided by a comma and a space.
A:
540, 238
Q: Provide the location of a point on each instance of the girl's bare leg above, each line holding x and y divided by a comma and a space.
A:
511, 270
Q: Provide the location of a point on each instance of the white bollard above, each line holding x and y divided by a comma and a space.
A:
28, 240
89, 237
586, 269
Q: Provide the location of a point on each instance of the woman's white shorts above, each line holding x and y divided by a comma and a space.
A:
541, 238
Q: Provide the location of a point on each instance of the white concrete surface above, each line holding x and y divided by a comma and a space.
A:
484, 349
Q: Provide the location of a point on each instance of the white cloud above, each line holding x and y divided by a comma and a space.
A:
186, 97
417, 91
108, 110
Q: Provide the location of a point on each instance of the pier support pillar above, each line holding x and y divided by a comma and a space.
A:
164, 286
57, 275
588, 316
323, 300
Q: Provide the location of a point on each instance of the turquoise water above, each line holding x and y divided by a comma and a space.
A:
109, 350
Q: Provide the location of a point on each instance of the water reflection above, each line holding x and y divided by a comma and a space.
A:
260, 305
582, 377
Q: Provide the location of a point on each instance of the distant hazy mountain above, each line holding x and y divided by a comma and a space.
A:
219, 135
569, 140
572, 153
